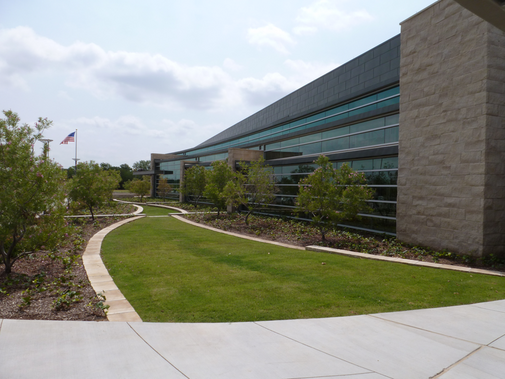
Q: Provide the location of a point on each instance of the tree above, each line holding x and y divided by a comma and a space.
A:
106, 166
125, 172
32, 195
126, 175
254, 189
70, 172
92, 186
140, 187
216, 179
164, 189
194, 183
331, 196
142, 165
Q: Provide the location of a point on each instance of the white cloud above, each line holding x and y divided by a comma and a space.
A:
328, 14
270, 36
138, 77
125, 125
267, 89
231, 65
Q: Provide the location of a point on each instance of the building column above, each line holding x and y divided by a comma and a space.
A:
451, 177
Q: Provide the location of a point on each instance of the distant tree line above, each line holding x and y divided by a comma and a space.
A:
125, 171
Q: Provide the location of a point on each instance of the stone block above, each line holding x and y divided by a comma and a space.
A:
472, 156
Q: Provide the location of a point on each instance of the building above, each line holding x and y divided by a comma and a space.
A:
422, 115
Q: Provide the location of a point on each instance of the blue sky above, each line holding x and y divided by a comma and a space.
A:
136, 77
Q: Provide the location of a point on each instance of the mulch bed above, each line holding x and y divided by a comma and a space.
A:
54, 285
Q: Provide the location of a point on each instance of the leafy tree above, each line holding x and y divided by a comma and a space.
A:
70, 172
331, 196
126, 174
92, 186
234, 191
164, 189
32, 195
142, 165
124, 171
217, 178
106, 166
254, 189
194, 183
140, 187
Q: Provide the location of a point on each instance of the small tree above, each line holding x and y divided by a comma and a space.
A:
92, 186
32, 194
331, 196
194, 183
254, 189
164, 189
140, 187
142, 165
217, 178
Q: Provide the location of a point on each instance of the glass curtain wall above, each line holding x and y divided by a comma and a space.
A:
381, 172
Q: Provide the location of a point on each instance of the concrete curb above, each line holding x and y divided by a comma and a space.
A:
183, 219
152, 205
101, 281
403, 261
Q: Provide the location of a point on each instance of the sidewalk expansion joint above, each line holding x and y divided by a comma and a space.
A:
157, 352
445, 370
367, 371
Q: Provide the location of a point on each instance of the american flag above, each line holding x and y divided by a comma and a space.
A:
69, 138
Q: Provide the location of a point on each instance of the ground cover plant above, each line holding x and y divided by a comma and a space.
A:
171, 271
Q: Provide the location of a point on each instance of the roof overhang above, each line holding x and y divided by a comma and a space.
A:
138, 173
493, 11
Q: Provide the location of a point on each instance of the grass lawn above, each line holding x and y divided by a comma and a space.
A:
157, 211
174, 272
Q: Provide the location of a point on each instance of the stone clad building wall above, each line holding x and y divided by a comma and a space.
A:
451, 179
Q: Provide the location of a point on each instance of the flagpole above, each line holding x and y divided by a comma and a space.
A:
75, 159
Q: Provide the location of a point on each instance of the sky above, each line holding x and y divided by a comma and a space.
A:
156, 76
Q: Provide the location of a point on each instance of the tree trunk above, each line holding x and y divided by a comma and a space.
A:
246, 217
8, 266
323, 234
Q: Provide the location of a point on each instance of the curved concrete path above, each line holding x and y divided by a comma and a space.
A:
455, 342
101, 281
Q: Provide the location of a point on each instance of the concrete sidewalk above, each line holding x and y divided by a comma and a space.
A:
456, 342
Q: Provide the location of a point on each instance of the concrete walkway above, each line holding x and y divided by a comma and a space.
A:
455, 342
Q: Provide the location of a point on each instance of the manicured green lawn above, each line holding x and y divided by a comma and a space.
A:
157, 211
171, 271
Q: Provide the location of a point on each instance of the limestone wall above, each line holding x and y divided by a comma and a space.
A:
451, 143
